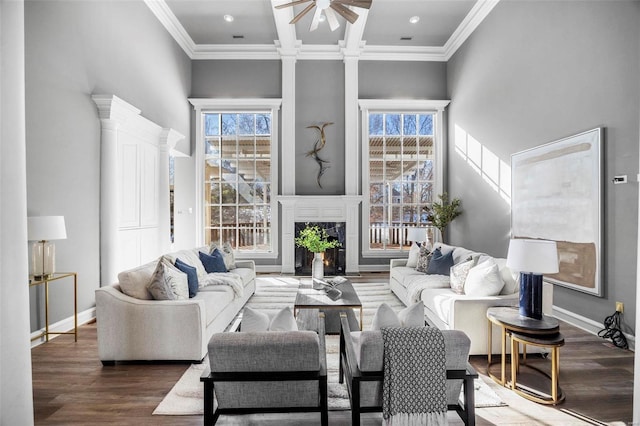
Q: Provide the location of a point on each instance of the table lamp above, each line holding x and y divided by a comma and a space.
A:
532, 258
43, 229
418, 235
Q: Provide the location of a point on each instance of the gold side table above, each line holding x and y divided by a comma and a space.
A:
33, 281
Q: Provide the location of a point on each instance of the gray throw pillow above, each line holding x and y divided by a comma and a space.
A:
440, 264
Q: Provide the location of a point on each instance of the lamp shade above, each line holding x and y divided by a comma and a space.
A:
46, 228
535, 256
416, 234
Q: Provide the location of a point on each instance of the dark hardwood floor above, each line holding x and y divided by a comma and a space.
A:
71, 386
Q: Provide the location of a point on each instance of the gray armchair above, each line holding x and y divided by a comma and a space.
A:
266, 372
361, 362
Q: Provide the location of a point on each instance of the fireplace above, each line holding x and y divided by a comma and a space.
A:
334, 258
304, 209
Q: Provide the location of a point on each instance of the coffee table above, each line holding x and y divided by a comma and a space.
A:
309, 298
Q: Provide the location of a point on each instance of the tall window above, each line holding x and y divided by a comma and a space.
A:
403, 175
238, 179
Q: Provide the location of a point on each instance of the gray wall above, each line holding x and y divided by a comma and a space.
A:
319, 99
75, 49
402, 80
534, 72
236, 79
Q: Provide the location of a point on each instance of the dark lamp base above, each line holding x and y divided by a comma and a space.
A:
530, 295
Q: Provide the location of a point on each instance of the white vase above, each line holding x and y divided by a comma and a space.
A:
317, 267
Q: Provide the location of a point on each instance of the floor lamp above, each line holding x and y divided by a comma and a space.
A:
43, 229
532, 258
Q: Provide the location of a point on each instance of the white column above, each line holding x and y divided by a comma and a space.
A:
288, 237
352, 170
16, 395
288, 125
109, 202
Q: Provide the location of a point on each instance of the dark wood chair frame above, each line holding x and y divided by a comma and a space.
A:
209, 379
349, 368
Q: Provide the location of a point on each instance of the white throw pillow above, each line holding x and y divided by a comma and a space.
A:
414, 254
411, 316
134, 282
484, 280
255, 321
283, 321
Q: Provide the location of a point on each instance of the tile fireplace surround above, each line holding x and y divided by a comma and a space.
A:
321, 208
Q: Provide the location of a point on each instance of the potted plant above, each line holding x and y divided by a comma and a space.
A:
316, 240
443, 212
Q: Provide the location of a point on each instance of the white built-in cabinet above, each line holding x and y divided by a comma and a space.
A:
134, 187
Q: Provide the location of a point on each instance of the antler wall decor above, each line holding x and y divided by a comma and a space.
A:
317, 146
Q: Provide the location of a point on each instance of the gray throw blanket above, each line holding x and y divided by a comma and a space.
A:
415, 376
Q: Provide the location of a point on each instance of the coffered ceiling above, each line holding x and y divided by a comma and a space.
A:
259, 31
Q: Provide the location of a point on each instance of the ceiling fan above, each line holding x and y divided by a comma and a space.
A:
330, 8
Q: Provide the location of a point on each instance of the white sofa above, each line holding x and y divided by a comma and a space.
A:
448, 310
139, 329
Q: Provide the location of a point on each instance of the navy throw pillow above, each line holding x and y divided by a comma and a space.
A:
440, 264
213, 262
192, 276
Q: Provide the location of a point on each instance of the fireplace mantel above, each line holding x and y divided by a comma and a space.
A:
320, 208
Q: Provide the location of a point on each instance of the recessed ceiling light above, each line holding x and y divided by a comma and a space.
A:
228, 18
414, 19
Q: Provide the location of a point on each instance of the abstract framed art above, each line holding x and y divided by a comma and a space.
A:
556, 194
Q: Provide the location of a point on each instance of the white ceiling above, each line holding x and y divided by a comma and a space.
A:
198, 26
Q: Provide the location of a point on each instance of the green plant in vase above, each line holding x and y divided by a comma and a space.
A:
316, 240
444, 212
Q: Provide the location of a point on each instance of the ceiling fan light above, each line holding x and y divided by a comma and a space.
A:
414, 19
322, 18
228, 18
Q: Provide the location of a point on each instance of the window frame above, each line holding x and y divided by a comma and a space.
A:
249, 105
409, 106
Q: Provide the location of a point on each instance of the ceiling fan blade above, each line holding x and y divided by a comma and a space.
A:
316, 19
293, 3
364, 4
304, 12
345, 12
334, 24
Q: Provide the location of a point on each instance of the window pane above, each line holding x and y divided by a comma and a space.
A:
392, 124
409, 124
426, 124
376, 124
211, 124
214, 215
263, 124
229, 124
246, 124
376, 193
228, 193
212, 148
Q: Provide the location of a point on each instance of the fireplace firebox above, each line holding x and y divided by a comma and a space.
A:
334, 258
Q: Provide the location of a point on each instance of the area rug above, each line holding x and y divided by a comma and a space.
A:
275, 293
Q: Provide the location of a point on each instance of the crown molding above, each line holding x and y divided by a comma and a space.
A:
352, 47
172, 25
474, 18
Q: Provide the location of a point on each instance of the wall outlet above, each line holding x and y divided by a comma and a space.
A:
619, 307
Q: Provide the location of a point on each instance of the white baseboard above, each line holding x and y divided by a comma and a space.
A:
64, 325
586, 324
374, 268
269, 269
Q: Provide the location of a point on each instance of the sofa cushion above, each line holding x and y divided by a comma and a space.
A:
216, 299
440, 263
192, 276
168, 282
247, 274
484, 280
134, 282
402, 273
213, 262
510, 278
414, 255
